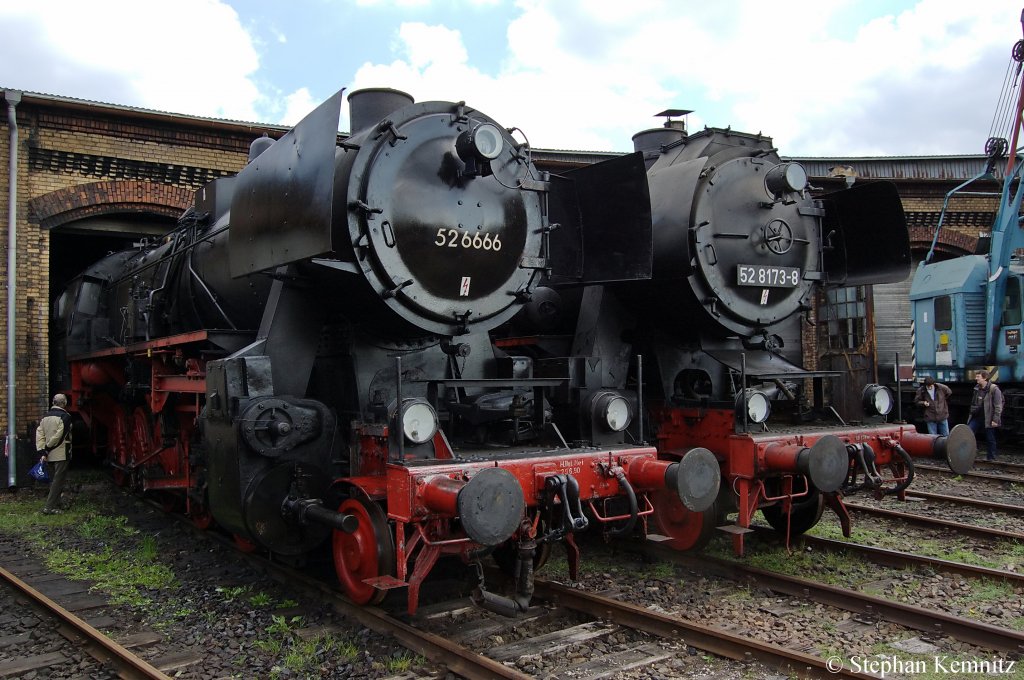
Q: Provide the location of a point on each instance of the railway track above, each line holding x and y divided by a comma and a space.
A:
608, 615
925, 520
668, 638
603, 616
991, 473
898, 558
965, 500
983, 635
110, 656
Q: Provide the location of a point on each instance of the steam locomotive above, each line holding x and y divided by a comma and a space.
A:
319, 356
741, 246
306, 362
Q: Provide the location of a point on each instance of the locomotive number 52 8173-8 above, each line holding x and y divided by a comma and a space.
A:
760, 275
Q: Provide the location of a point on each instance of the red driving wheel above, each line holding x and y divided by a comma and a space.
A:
366, 553
686, 529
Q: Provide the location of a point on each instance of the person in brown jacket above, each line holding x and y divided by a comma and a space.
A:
53, 443
934, 398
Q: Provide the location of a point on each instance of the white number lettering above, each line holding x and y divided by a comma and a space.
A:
456, 238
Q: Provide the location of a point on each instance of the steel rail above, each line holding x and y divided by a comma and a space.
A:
130, 665
964, 500
460, 660
978, 633
970, 475
896, 558
1004, 464
935, 522
701, 636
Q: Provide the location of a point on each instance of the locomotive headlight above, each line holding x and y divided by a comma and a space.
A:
878, 400
419, 421
785, 178
613, 411
483, 142
759, 406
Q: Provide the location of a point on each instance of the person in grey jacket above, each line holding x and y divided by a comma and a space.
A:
53, 443
986, 410
934, 398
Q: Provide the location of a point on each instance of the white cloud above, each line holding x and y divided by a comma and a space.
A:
195, 59
821, 76
396, 3
431, 46
588, 73
297, 105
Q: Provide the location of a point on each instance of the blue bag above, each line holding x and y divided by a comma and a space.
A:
39, 472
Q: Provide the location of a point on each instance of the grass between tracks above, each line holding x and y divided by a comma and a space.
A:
87, 543
999, 554
90, 542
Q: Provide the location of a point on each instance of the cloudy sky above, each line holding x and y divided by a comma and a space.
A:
823, 77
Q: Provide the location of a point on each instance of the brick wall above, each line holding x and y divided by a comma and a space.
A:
77, 161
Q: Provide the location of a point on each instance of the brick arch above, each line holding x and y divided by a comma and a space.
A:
105, 198
950, 242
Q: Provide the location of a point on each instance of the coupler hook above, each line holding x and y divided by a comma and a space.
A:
865, 456
566, 489
909, 463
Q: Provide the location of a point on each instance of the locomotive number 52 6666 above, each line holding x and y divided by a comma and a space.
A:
453, 238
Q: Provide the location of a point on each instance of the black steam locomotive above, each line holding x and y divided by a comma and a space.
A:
319, 356
306, 359
742, 246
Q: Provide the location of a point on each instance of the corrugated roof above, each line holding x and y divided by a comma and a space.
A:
897, 167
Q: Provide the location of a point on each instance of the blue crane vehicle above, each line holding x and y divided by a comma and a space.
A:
967, 311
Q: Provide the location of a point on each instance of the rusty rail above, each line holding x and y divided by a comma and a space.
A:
935, 522
704, 637
130, 665
896, 558
964, 500
977, 633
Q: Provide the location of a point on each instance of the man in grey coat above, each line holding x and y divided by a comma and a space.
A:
53, 442
986, 410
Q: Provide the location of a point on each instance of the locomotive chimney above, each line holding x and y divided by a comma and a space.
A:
372, 105
671, 131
